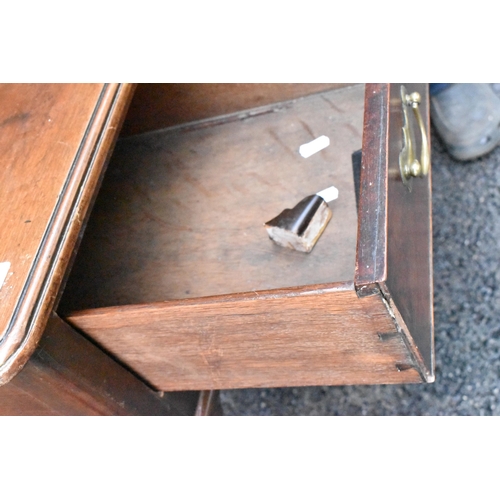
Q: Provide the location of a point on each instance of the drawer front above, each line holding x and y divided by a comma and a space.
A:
409, 286
394, 255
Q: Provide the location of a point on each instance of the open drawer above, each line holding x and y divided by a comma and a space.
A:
177, 279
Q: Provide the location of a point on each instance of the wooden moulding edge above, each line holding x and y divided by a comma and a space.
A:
218, 299
27, 324
371, 256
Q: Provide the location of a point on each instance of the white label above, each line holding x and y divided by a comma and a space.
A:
329, 194
308, 149
4, 269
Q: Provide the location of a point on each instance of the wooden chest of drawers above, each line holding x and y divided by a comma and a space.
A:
175, 277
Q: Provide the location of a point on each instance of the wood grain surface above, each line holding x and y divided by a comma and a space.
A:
55, 140
68, 375
308, 336
181, 213
160, 105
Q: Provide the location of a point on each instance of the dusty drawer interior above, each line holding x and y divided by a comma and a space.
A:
181, 210
177, 278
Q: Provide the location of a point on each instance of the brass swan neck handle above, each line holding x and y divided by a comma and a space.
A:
409, 165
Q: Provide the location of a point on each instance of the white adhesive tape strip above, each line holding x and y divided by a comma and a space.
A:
308, 149
329, 194
4, 269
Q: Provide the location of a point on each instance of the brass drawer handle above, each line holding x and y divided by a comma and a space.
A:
409, 165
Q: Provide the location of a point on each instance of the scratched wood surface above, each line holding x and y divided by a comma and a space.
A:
161, 105
309, 336
54, 142
68, 375
181, 212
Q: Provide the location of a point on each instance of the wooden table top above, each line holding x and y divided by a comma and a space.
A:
54, 142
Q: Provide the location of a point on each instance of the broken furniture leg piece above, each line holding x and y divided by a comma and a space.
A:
300, 227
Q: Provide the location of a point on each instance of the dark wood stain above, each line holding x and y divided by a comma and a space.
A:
401, 367
276, 137
336, 108
386, 337
308, 129
20, 117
